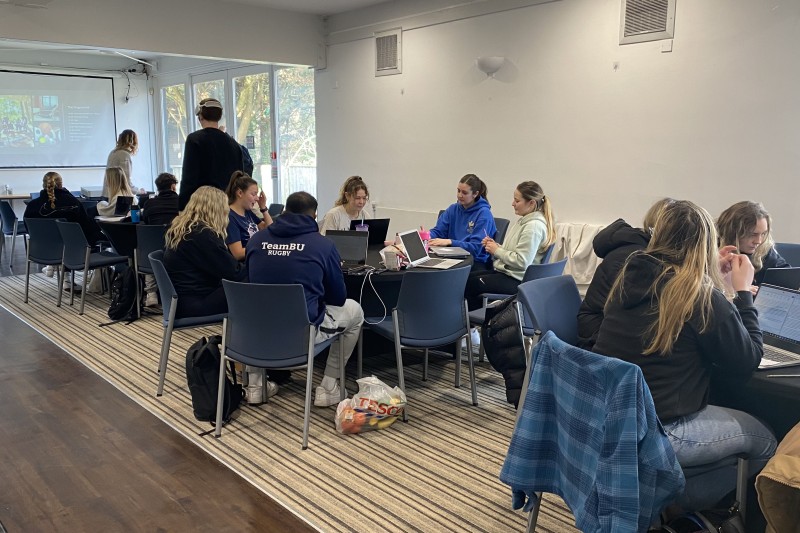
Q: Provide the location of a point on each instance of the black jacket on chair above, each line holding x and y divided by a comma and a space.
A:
502, 341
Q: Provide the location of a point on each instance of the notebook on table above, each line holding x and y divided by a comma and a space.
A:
783, 277
351, 245
378, 228
450, 251
418, 256
779, 318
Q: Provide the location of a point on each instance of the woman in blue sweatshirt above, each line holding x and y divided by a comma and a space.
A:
467, 222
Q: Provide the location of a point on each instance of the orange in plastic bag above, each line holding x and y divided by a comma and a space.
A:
374, 406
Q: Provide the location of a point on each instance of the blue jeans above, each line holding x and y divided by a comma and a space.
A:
707, 445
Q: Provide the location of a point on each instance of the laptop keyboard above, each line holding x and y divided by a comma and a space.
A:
432, 262
779, 356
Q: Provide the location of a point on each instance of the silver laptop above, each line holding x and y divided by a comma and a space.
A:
418, 256
779, 318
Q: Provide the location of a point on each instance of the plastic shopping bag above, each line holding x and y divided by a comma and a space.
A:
374, 406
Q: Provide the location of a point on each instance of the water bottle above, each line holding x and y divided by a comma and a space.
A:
425, 236
135, 218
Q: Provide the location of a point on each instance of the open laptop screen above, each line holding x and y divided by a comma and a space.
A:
415, 250
123, 206
351, 245
779, 312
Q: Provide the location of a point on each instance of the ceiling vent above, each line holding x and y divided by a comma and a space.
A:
646, 20
388, 52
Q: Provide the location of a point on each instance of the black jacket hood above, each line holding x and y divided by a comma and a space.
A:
617, 234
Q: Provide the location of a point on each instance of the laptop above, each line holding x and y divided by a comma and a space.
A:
783, 277
779, 318
123, 206
378, 228
418, 256
351, 245
450, 251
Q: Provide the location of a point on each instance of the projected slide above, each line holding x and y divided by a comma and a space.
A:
55, 121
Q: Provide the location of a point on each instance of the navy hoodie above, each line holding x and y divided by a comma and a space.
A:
467, 228
291, 250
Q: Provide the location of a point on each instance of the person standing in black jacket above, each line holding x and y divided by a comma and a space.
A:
210, 155
613, 245
164, 207
748, 227
668, 313
196, 256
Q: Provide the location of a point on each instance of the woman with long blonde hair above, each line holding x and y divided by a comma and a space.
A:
196, 256
748, 226
116, 183
669, 314
120, 156
350, 205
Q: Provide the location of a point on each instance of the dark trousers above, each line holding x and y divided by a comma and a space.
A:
213, 304
488, 282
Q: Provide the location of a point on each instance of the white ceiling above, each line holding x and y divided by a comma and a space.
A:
316, 7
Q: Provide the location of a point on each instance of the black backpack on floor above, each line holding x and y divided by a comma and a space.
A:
123, 296
202, 375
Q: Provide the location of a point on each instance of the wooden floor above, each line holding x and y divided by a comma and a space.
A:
78, 455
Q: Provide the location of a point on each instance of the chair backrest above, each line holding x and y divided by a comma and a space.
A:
35, 195
548, 254
75, 244
553, 304
165, 287
8, 217
271, 332
149, 238
275, 209
122, 236
45, 243
440, 214
544, 270
789, 251
430, 305
502, 229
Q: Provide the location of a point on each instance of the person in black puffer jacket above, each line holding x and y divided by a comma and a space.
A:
613, 245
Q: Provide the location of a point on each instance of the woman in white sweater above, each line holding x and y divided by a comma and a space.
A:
120, 156
525, 244
117, 184
353, 197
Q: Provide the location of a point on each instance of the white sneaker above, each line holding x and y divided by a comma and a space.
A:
48, 271
255, 390
326, 398
476, 336
151, 300
95, 284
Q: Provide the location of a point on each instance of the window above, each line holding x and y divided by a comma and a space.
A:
253, 123
173, 111
297, 134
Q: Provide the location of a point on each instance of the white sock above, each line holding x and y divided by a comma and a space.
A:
328, 383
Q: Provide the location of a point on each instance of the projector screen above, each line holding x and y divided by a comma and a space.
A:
52, 121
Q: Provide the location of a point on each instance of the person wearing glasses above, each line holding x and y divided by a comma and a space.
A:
353, 198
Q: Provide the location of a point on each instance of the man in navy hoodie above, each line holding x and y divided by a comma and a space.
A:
291, 250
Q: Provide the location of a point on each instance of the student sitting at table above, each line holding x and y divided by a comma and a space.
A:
353, 197
116, 182
525, 244
748, 227
613, 245
161, 209
669, 314
196, 256
243, 194
55, 201
466, 222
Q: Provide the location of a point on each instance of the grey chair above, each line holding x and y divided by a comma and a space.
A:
789, 251
169, 305
78, 255
273, 336
431, 312
149, 238
502, 228
275, 210
12, 227
46, 248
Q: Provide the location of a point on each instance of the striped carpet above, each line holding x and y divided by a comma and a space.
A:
436, 473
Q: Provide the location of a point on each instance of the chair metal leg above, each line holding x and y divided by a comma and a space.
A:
342, 378
309, 382
533, 516
470, 359
71, 287
85, 275
220, 388
13, 243
742, 470
398, 352
360, 362
425, 365
27, 278
457, 382
165, 345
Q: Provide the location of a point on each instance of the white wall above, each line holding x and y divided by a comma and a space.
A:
714, 121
